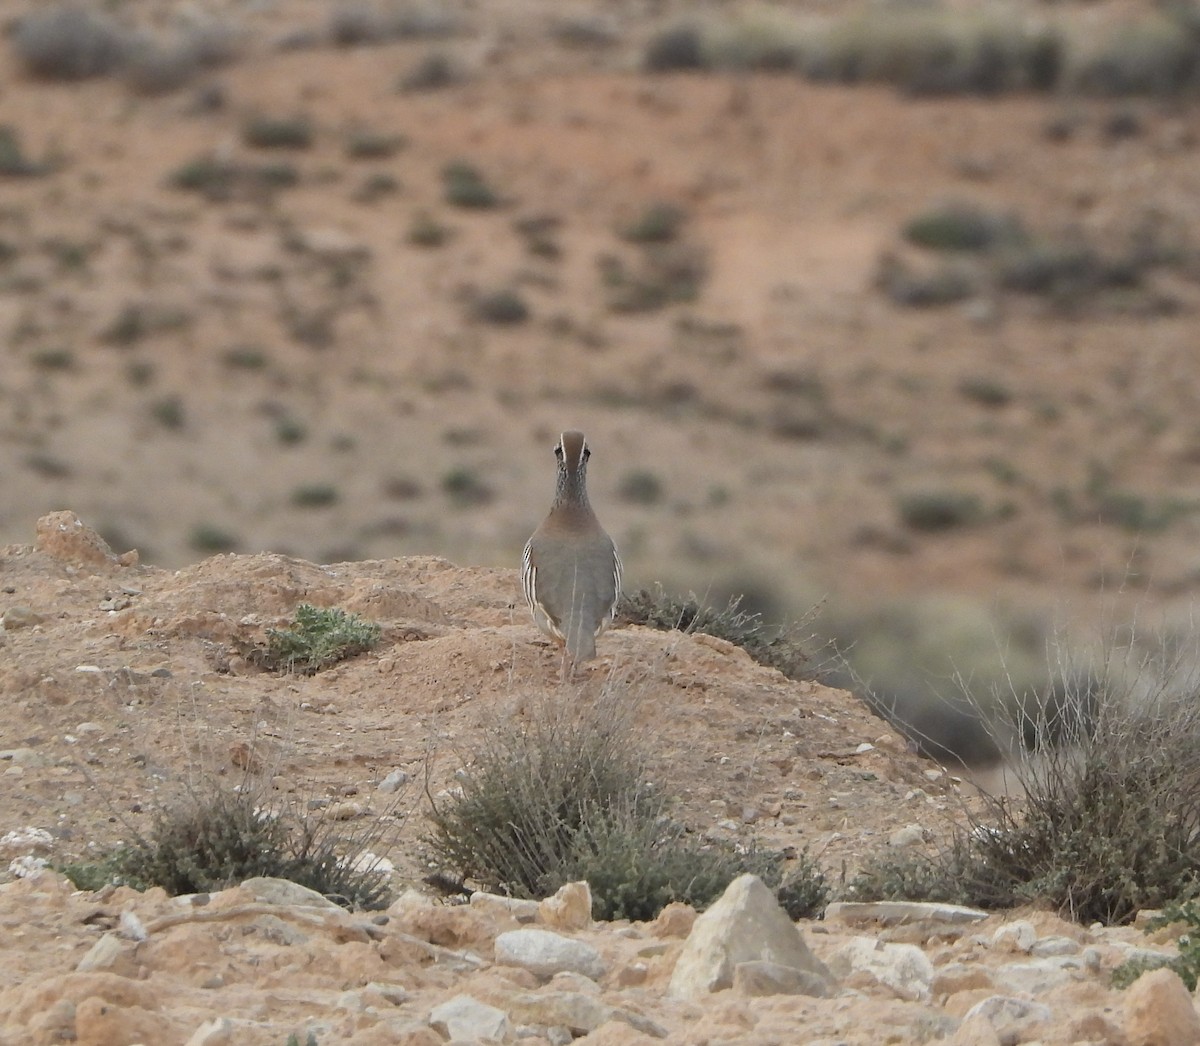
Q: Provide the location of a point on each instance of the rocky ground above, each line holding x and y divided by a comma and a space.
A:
123, 684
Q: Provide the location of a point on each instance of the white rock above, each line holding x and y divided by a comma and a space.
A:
393, 782
902, 967
906, 837
524, 911
466, 1018
745, 924
1049, 947
102, 955
569, 909
1013, 1020
891, 913
1038, 975
1018, 936
217, 1032
545, 953
282, 891
576, 1011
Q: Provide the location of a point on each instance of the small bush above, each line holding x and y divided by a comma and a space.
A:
1153, 55
319, 637
246, 357
563, 798
464, 185
503, 307
69, 43
218, 838
640, 487
432, 73
210, 538
1186, 963
427, 231
268, 132
464, 487
13, 161
962, 227
315, 495
676, 49
169, 412
937, 510
54, 359
988, 392
658, 223
658, 609
368, 145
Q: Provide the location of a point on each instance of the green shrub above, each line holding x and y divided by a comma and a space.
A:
432, 73
936, 510
962, 227
1152, 55
561, 798
658, 223
659, 609
315, 495
988, 392
268, 132
1186, 963
219, 837
169, 412
246, 357
13, 161
675, 49
465, 488
504, 307
369, 145
210, 538
319, 637
68, 42
464, 185
427, 231
640, 487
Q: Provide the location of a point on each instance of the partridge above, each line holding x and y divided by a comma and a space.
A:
570, 570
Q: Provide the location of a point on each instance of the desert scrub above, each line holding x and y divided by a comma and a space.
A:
13, 161
269, 132
67, 42
937, 510
217, 837
210, 538
962, 226
504, 307
1186, 963
563, 796
657, 223
315, 495
464, 185
319, 637
1102, 805
656, 608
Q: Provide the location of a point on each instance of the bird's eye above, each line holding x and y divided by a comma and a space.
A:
586, 453
558, 452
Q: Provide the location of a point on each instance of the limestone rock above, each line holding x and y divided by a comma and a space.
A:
466, 1018
218, 1032
108, 953
524, 911
569, 909
1012, 1020
760, 977
545, 953
745, 924
902, 967
1018, 936
576, 1011
890, 913
269, 890
1159, 1011
976, 1030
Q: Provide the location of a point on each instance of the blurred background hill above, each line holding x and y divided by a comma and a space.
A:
887, 308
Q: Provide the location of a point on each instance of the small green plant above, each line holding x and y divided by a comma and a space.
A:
310, 1040
68, 42
246, 357
218, 837
268, 132
371, 145
169, 412
210, 539
988, 392
504, 307
1186, 963
464, 185
376, 186
290, 431
658, 223
640, 487
465, 488
962, 227
319, 637
13, 161
427, 231
938, 510
54, 359
433, 72
659, 609
562, 797
680, 48
315, 495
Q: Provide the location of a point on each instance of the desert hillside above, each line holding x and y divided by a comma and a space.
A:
327, 281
